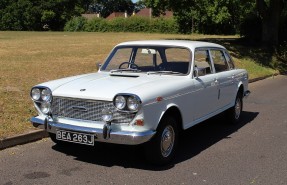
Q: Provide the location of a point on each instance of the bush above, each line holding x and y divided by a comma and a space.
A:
137, 24
96, 25
120, 24
282, 51
161, 25
76, 24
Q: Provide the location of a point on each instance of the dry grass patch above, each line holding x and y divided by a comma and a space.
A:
29, 58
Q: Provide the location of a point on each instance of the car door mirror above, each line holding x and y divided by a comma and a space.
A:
98, 66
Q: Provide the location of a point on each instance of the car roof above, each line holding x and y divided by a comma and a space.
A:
179, 43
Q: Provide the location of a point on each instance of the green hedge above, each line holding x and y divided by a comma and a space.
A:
131, 24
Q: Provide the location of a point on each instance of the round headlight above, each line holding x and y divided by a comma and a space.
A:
120, 102
46, 95
107, 115
133, 103
45, 107
35, 94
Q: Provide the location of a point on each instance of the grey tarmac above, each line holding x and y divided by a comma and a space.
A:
214, 152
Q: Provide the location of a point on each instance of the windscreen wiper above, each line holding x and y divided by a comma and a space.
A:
163, 72
127, 69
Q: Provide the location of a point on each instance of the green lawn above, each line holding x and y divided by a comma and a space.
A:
28, 58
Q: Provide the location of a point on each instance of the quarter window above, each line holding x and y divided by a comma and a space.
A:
229, 61
219, 61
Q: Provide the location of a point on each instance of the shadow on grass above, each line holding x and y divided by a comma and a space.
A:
192, 142
240, 48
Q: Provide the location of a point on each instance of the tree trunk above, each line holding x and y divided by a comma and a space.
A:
270, 15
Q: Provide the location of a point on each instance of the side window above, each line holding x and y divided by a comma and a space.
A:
202, 62
177, 55
219, 61
177, 60
229, 61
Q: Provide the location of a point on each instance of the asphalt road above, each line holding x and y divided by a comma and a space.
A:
214, 152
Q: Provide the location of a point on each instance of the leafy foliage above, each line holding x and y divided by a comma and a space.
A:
204, 16
120, 24
227, 16
34, 15
106, 7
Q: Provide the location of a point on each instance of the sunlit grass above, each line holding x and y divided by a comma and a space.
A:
29, 58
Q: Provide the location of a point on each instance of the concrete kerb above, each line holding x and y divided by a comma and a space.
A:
22, 138
40, 134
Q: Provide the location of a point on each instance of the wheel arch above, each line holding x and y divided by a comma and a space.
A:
174, 111
240, 89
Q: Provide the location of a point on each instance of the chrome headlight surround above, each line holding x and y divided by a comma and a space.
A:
120, 102
127, 102
46, 95
35, 94
133, 103
42, 97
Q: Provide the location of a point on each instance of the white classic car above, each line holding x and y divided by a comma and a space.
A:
146, 92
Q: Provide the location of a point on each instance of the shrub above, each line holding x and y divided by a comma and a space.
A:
96, 25
281, 53
120, 24
138, 24
76, 24
161, 25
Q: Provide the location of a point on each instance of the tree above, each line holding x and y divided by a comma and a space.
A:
270, 12
106, 7
139, 5
34, 15
204, 16
224, 16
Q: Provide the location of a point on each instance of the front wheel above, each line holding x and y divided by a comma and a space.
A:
234, 113
161, 149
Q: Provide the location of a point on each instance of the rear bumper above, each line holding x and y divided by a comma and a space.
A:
118, 137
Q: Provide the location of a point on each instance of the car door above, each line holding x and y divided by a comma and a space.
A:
225, 77
205, 92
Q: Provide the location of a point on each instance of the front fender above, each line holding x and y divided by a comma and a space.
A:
153, 113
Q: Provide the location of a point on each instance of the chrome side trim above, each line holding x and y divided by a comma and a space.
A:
118, 137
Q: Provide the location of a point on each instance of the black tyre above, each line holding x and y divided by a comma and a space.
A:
234, 113
161, 149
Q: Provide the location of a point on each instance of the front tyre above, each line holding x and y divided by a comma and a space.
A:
161, 149
234, 113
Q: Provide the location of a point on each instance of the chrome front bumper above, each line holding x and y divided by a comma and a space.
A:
118, 137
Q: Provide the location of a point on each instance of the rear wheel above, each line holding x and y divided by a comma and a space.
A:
161, 149
234, 113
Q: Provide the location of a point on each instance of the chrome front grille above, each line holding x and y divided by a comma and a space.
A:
89, 110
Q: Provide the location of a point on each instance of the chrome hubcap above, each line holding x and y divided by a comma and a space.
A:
237, 108
167, 141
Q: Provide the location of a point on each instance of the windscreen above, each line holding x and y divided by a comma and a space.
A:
149, 59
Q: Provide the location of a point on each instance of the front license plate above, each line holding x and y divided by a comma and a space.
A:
75, 137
